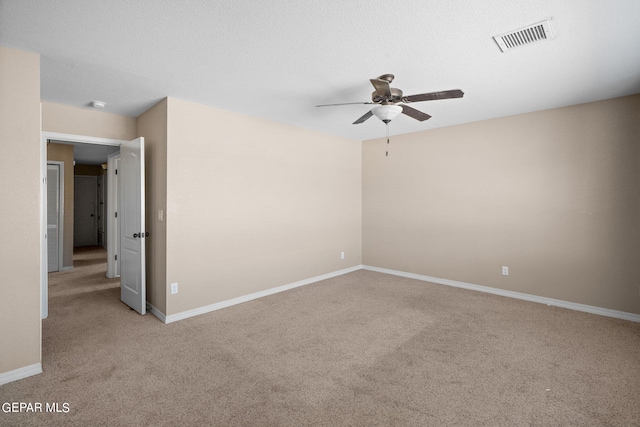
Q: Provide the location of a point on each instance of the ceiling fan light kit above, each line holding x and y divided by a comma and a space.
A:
387, 112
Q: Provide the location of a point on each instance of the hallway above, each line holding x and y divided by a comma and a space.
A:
88, 275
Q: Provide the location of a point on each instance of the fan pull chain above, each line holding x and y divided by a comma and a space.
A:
387, 154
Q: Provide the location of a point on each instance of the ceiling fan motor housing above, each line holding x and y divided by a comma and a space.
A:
396, 96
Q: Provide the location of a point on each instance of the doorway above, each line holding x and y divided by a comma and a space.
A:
131, 221
73, 149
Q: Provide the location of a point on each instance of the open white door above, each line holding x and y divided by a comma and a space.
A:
132, 228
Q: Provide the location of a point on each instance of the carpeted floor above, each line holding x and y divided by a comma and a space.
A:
363, 349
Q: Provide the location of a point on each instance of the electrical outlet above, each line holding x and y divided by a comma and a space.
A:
174, 288
505, 270
341, 255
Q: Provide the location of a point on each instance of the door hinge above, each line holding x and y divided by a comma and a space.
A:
116, 214
116, 257
116, 171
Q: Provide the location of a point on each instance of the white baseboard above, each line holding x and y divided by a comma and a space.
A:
67, 268
511, 294
20, 373
496, 291
160, 315
245, 298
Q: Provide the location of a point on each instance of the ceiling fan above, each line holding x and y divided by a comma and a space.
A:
391, 101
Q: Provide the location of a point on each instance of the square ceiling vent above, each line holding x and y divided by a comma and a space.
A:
533, 33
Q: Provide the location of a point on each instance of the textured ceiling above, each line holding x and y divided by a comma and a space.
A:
277, 59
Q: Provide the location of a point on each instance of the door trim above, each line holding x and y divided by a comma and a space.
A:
44, 137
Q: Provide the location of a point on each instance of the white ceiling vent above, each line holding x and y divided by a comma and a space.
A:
530, 34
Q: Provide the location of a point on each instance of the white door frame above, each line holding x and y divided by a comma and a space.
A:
60, 212
44, 137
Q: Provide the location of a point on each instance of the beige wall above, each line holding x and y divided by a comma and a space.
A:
152, 125
86, 122
253, 204
20, 334
554, 195
64, 153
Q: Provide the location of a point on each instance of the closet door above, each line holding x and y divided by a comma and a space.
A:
85, 219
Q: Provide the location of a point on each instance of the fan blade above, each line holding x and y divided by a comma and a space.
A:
363, 118
382, 87
456, 93
415, 114
344, 103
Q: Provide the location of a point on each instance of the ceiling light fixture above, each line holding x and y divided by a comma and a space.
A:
98, 104
386, 112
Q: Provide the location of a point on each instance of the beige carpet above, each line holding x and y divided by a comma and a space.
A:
363, 349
